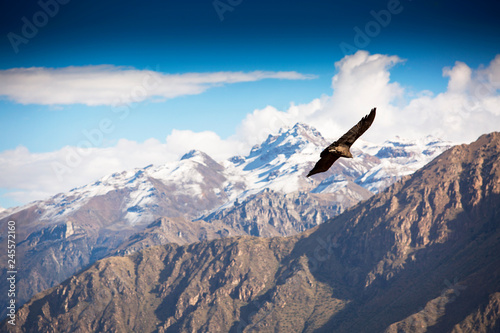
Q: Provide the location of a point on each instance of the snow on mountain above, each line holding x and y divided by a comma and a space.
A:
281, 162
196, 185
265, 193
145, 193
398, 158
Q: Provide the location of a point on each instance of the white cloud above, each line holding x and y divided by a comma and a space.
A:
362, 82
256, 126
180, 142
33, 176
112, 85
460, 77
469, 108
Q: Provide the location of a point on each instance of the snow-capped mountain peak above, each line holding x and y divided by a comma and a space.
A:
399, 157
197, 184
299, 139
304, 130
195, 155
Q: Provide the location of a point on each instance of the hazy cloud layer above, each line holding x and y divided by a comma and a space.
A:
112, 85
468, 108
38, 175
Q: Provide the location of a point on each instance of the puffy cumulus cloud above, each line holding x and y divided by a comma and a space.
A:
112, 85
181, 141
468, 108
460, 77
362, 82
256, 126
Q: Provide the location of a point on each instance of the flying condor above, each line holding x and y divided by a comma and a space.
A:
340, 148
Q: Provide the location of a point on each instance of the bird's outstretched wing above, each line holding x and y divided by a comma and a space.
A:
357, 130
329, 156
324, 163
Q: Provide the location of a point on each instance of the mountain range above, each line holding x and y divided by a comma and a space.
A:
419, 256
197, 198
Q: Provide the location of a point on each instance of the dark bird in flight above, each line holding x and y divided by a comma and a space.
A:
340, 148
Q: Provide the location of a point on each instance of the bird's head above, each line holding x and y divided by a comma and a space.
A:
349, 155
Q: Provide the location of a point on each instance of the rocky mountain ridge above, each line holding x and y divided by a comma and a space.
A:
264, 193
421, 256
277, 164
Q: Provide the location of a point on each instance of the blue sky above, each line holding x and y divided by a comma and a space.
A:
300, 40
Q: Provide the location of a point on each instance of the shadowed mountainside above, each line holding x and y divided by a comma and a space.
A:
262, 194
419, 257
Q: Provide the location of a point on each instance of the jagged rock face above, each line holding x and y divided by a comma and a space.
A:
53, 254
175, 230
118, 213
269, 213
424, 249
420, 256
66, 233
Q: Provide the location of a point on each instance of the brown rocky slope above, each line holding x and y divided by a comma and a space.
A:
422, 256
